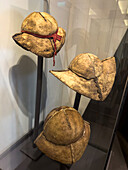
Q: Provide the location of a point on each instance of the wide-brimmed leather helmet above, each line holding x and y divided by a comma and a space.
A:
89, 76
41, 35
65, 135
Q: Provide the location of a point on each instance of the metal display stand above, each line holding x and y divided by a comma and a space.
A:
38, 96
77, 101
30, 148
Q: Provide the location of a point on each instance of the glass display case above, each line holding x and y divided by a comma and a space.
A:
98, 27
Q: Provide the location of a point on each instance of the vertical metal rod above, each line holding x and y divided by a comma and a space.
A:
77, 101
65, 167
38, 97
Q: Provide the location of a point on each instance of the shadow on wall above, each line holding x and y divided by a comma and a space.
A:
22, 78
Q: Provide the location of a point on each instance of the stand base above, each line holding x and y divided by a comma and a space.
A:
31, 152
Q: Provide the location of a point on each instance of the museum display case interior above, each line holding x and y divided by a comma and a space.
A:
92, 35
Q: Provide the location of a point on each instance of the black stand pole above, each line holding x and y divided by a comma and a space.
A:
65, 167
76, 106
77, 101
38, 97
30, 148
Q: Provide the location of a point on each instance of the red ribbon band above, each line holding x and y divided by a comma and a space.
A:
55, 37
